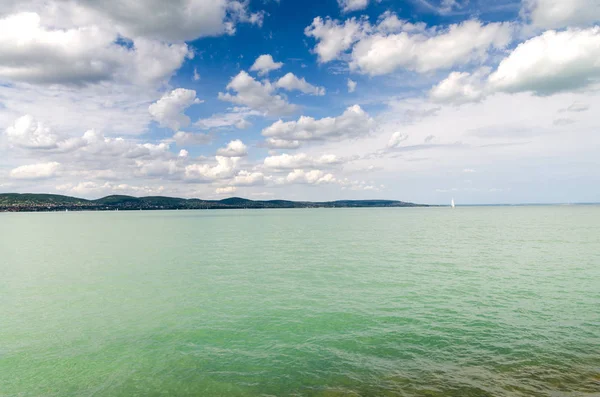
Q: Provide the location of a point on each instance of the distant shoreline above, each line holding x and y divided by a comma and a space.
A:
27, 202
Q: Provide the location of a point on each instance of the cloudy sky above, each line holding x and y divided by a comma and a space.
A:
419, 100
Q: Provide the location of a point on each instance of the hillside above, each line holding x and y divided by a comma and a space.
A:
49, 202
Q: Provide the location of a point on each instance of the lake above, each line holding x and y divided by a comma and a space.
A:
475, 301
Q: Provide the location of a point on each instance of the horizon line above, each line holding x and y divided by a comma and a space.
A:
320, 201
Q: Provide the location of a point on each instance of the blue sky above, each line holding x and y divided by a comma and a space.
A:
417, 100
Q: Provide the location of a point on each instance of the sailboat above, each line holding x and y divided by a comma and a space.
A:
452, 203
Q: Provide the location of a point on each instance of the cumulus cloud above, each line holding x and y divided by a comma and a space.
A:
26, 132
35, 171
125, 41
352, 5
550, 63
238, 10
169, 110
183, 138
351, 85
177, 21
99, 189
468, 41
394, 44
459, 88
92, 149
224, 168
245, 178
291, 82
334, 37
265, 64
396, 139
313, 177
243, 124
94, 143
114, 108
557, 14
257, 96
235, 148
236, 117
32, 53
274, 143
301, 160
226, 190
547, 64
353, 123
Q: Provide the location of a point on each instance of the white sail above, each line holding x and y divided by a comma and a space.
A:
452, 203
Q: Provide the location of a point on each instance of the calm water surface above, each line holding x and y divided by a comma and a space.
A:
500, 301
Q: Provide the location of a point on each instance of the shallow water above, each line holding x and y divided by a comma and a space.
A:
494, 301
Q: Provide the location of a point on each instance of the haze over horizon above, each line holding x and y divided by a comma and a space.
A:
420, 101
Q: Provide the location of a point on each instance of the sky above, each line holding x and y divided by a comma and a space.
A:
483, 101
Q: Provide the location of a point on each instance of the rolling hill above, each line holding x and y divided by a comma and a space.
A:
49, 202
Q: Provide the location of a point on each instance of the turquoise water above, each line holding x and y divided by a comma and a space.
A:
499, 301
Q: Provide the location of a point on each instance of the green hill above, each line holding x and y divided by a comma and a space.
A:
51, 202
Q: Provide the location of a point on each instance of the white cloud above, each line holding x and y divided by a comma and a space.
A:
32, 53
183, 153
234, 148
169, 110
110, 108
28, 133
301, 160
94, 145
459, 88
224, 168
353, 5
550, 63
126, 41
90, 149
245, 178
183, 138
333, 37
461, 43
394, 44
388, 22
351, 85
274, 143
448, 6
291, 82
158, 168
556, 14
238, 10
243, 124
196, 76
226, 190
177, 21
236, 117
353, 123
396, 139
547, 64
313, 177
265, 64
35, 171
103, 189
256, 95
